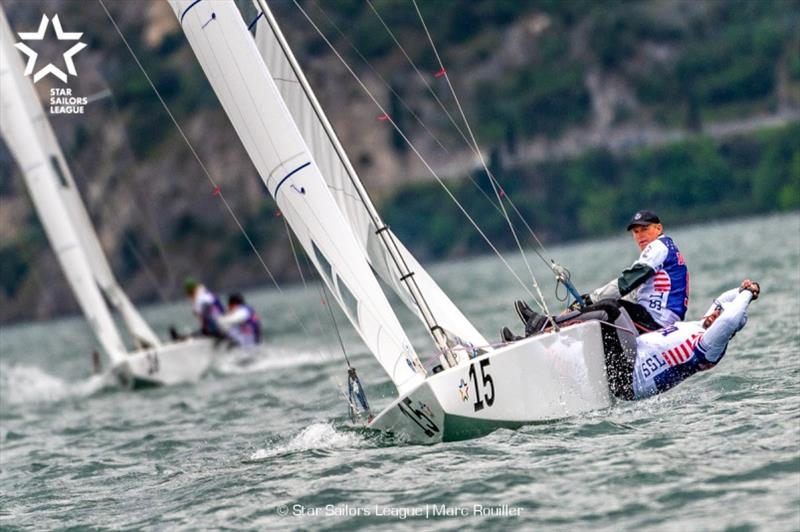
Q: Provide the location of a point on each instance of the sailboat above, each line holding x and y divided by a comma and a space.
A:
30, 138
472, 387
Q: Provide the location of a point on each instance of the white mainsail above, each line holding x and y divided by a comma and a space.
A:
22, 123
345, 184
229, 57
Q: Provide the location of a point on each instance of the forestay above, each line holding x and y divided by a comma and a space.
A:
346, 186
30, 139
247, 92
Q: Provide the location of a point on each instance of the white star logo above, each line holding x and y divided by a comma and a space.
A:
50, 68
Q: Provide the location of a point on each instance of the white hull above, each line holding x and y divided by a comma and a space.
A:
172, 363
550, 376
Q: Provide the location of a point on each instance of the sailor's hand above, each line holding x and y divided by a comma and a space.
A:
587, 300
752, 286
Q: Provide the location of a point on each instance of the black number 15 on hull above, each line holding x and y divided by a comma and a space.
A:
486, 381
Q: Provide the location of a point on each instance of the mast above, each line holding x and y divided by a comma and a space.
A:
387, 238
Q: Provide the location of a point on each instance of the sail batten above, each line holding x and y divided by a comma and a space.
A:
249, 95
349, 193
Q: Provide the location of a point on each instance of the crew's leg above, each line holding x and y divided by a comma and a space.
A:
605, 310
641, 318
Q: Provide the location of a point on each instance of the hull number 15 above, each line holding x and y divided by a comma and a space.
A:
486, 384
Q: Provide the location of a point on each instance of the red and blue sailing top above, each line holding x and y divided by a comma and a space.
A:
667, 357
665, 295
208, 308
242, 325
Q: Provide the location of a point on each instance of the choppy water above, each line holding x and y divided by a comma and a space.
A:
243, 446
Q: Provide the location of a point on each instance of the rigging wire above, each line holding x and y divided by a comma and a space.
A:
438, 100
323, 293
562, 274
378, 74
324, 299
150, 225
543, 302
473, 146
416, 152
419, 73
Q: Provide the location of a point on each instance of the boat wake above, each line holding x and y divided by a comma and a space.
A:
319, 436
257, 360
29, 384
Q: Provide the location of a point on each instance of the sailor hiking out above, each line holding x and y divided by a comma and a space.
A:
667, 357
241, 323
654, 290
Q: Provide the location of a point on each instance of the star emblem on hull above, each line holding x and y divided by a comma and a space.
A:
50, 68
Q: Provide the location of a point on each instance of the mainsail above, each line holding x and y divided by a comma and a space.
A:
346, 186
229, 57
30, 139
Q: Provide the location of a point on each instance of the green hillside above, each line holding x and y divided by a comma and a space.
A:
587, 110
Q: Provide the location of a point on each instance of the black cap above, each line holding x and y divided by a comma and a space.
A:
643, 218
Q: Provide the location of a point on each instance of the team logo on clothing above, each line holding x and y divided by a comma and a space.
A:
662, 282
463, 391
683, 352
61, 99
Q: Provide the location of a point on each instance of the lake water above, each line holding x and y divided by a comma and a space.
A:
246, 445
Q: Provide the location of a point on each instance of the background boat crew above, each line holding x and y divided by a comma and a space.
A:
665, 358
240, 322
206, 306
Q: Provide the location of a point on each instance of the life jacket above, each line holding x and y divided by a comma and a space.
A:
665, 295
210, 308
249, 331
668, 357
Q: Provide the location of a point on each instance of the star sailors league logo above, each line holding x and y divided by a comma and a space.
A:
50, 68
61, 99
